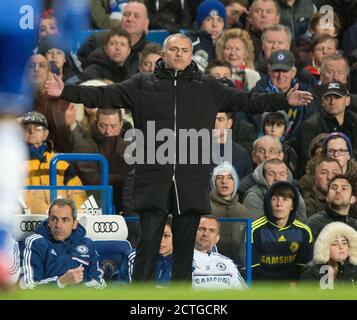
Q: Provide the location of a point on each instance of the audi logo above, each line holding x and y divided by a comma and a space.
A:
105, 227
28, 226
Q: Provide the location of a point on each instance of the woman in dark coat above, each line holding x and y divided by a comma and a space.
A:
335, 257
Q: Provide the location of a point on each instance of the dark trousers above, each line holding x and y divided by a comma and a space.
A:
184, 228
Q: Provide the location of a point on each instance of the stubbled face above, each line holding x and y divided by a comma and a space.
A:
262, 14
340, 195
273, 41
178, 53
325, 171
235, 52
213, 25
109, 125
61, 222
335, 105
166, 242
47, 27
117, 49
334, 70
148, 63
207, 235
339, 250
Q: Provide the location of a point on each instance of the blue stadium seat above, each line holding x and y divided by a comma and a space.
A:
111, 255
157, 36
109, 233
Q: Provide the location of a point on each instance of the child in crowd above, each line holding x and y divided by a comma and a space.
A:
276, 124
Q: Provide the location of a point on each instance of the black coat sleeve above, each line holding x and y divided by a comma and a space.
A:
231, 99
119, 95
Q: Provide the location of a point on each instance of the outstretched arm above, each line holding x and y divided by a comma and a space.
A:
230, 99
123, 95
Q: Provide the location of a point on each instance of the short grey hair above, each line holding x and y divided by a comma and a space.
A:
64, 202
277, 28
178, 35
335, 57
279, 146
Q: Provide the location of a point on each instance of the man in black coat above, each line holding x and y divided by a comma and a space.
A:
175, 97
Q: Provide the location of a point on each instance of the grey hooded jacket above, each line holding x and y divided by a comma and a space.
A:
254, 197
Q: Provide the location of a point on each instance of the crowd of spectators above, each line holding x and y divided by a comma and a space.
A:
292, 171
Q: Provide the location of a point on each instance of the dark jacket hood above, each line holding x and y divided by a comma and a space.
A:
44, 230
267, 202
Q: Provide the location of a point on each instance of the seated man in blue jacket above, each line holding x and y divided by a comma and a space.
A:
59, 252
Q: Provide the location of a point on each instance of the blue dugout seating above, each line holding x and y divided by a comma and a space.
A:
108, 231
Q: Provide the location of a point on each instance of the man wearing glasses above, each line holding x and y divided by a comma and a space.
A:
333, 118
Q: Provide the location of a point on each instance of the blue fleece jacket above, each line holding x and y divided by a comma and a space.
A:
46, 259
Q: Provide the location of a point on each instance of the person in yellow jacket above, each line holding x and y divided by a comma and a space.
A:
41, 152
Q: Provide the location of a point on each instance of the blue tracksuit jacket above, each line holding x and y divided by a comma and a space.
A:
46, 259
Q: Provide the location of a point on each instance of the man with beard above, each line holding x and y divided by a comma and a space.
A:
340, 196
107, 141
323, 171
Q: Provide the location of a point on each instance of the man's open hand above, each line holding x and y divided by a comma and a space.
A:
298, 98
55, 86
